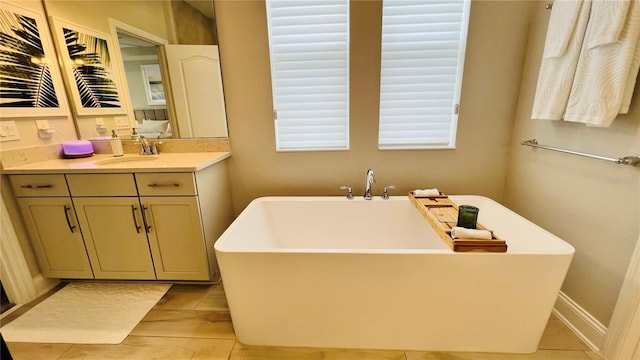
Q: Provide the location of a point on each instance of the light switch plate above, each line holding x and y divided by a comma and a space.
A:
122, 122
9, 131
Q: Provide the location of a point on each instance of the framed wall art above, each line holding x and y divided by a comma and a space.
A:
30, 81
153, 84
90, 69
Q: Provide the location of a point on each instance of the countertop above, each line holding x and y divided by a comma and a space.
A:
99, 163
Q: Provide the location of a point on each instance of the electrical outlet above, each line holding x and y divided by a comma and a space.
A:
42, 124
122, 122
101, 128
9, 131
44, 130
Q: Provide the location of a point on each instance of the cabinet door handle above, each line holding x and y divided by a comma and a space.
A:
47, 186
66, 215
135, 221
147, 227
163, 185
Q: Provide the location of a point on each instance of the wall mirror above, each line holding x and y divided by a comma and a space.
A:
163, 48
141, 57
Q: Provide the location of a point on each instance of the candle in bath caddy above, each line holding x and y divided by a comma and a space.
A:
467, 216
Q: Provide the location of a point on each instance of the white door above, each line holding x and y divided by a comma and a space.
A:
196, 83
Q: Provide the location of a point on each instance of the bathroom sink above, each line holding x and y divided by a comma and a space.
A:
127, 158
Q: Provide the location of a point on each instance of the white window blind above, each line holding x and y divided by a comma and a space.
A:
309, 50
423, 43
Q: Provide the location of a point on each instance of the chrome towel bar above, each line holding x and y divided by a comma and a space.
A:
633, 160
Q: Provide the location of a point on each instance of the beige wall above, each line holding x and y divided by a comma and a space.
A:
592, 204
494, 57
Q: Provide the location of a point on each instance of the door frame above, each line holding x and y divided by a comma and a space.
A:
116, 27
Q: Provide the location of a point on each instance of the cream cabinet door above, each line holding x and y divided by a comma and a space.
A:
114, 233
176, 238
56, 237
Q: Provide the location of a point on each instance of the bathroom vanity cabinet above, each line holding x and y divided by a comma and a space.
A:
108, 212
51, 223
126, 226
172, 204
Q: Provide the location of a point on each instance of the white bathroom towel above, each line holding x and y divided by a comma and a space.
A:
565, 35
464, 233
631, 81
563, 19
602, 87
606, 21
426, 192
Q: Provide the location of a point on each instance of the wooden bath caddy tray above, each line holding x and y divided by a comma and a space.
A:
442, 215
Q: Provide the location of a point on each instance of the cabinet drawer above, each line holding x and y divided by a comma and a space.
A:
38, 185
163, 184
102, 185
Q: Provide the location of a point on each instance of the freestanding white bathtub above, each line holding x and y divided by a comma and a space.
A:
337, 273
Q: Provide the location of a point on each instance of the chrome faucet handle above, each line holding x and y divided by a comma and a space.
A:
385, 192
349, 192
144, 146
154, 147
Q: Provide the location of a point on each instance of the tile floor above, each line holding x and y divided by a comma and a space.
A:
193, 322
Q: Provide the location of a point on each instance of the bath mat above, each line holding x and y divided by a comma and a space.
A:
86, 313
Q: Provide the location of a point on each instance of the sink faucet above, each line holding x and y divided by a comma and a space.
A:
144, 146
147, 148
367, 188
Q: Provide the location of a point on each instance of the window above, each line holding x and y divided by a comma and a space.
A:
423, 43
309, 50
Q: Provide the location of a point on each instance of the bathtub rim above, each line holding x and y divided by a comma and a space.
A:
220, 242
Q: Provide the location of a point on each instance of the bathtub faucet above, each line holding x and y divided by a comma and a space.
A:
367, 188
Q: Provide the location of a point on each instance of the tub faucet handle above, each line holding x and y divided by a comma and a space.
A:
349, 192
385, 192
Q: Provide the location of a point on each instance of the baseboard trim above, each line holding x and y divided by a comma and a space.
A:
582, 323
43, 284
8, 312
